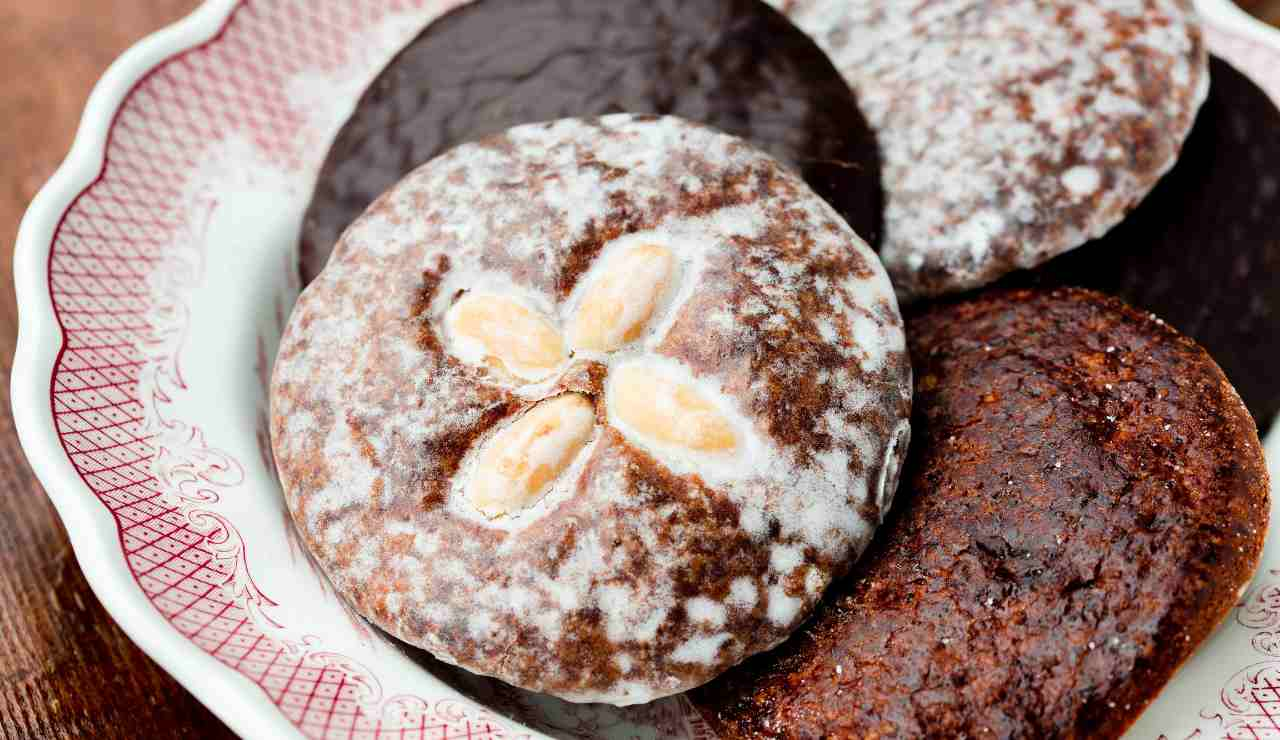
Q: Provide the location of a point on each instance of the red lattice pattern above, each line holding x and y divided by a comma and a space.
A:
1265, 723
113, 235
119, 230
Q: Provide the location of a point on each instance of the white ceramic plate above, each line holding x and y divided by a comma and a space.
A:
154, 273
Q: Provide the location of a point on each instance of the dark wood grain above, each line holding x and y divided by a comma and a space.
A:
1267, 10
66, 669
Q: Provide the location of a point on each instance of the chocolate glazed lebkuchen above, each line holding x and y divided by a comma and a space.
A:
1084, 499
736, 65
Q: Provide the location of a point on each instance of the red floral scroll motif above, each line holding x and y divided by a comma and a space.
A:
122, 261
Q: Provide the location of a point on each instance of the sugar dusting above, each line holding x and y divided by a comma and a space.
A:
378, 419
980, 106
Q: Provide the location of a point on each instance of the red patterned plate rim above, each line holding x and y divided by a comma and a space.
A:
98, 534
92, 530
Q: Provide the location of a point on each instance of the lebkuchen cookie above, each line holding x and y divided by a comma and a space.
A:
1085, 500
597, 407
1011, 130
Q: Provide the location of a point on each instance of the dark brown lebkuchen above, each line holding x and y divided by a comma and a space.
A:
1084, 500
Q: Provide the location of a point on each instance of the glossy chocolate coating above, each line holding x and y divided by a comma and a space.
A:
1203, 250
737, 65
1084, 497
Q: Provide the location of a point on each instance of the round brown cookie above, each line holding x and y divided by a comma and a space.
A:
1011, 131
595, 407
1084, 501
1203, 250
737, 65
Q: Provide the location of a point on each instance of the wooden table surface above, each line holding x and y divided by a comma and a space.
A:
66, 670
